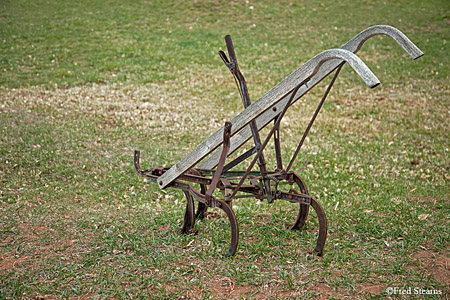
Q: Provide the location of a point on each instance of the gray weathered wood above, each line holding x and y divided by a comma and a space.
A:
272, 97
353, 45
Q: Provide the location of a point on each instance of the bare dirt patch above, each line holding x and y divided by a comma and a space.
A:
39, 243
45, 297
324, 291
436, 265
9, 261
375, 289
223, 288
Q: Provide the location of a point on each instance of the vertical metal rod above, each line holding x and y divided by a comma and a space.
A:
242, 86
253, 127
314, 116
269, 136
276, 140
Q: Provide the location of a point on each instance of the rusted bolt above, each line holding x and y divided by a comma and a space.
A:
274, 108
160, 182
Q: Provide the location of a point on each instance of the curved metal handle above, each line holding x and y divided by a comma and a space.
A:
352, 59
358, 40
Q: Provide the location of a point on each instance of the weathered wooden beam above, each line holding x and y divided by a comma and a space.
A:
272, 97
353, 45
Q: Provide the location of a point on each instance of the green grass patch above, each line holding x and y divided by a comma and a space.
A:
83, 84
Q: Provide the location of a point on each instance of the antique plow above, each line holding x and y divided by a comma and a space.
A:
215, 174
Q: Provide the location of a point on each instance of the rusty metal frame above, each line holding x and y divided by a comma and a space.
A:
263, 184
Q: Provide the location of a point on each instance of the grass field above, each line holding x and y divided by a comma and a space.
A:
84, 83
